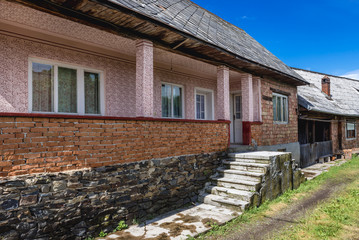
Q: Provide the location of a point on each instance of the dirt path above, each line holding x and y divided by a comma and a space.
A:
290, 215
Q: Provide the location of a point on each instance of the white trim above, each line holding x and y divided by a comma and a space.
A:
182, 99
205, 91
282, 107
80, 71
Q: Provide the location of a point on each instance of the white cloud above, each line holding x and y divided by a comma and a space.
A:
352, 74
244, 17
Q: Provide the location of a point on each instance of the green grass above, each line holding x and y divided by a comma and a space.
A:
322, 231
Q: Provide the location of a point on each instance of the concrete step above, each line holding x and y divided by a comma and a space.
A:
247, 160
235, 183
231, 193
220, 201
240, 175
244, 166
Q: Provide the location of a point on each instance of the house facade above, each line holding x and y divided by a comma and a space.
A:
105, 102
328, 117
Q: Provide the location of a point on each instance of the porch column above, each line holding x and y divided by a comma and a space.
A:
257, 101
247, 98
223, 93
144, 78
247, 107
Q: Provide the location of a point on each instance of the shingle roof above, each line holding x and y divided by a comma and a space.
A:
344, 94
188, 17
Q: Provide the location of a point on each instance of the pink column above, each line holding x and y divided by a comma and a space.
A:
257, 102
144, 78
247, 97
223, 93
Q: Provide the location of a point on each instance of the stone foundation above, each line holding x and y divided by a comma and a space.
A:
79, 203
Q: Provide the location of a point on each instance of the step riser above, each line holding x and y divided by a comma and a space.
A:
250, 160
246, 168
234, 185
241, 177
219, 204
229, 195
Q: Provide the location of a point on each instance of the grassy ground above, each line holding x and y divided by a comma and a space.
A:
336, 218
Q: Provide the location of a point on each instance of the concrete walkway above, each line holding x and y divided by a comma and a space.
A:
177, 225
315, 170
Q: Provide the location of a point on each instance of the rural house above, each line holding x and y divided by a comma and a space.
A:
329, 114
137, 101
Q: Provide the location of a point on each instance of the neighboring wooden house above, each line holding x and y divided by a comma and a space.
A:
329, 113
145, 93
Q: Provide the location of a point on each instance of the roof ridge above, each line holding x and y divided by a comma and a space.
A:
331, 75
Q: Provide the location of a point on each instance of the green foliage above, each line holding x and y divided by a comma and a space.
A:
102, 234
121, 225
90, 238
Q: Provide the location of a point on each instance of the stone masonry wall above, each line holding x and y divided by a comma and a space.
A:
53, 144
268, 132
76, 204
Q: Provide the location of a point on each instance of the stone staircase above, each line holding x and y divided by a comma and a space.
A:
237, 184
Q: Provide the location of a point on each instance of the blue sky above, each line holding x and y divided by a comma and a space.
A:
317, 35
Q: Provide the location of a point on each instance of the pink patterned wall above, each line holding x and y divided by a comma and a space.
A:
120, 75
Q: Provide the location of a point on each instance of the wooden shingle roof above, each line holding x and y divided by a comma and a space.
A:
187, 16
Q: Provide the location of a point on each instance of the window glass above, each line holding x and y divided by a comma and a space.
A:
42, 87
238, 107
92, 96
67, 93
200, 106
177, 102
279, 109
350, 129
285, 110
166, 101
274, 99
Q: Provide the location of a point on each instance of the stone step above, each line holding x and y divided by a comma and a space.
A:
247, 160
249, 167
230, 193
220, 201
260, 155
235, 183
240, 175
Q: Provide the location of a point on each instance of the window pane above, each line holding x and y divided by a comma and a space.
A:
350, 130
67, 85
198, 106
238, 107
274, 100
166, 101
92, 95
177, 102
279, 109
42, 87
202, 107
285, 110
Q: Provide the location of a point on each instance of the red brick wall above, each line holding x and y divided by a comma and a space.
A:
49, 144
269, 133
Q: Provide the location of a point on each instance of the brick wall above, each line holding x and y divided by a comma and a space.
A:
52, 144
269, 133
349, 144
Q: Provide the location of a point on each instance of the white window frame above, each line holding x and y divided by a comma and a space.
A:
286, 110
346, 129
182, 99
80, 87
205, 92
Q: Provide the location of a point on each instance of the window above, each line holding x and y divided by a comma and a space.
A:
280, 108
350, 129
203, 104
172, 97
56, 88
